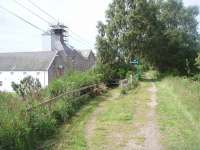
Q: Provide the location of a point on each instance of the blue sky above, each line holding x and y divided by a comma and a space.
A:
80, 16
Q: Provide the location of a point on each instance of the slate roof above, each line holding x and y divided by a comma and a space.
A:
26, 61
86, 52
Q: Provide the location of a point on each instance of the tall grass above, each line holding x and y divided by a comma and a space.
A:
179, 111
22, 130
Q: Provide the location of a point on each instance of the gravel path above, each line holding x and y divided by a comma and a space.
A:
151, 130
144, 135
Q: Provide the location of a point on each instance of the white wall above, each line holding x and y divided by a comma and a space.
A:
7, 77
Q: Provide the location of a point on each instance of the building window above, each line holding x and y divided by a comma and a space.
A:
38, 73
60, 70
1, 83
24, 73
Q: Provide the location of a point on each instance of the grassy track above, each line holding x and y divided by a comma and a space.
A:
179, 113
113, 124
71, 135
115, 121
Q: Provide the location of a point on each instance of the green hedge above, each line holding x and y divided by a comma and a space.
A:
22, 130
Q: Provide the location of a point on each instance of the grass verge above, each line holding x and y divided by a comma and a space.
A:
178, 113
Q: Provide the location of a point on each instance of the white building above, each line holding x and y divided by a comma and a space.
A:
15, 66
57, 59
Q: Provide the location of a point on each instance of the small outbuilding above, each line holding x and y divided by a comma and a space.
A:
44, 66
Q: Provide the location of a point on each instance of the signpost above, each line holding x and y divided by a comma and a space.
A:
136, 63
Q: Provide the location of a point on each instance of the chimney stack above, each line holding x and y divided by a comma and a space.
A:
56, 38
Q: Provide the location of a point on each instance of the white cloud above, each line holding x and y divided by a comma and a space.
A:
80, 15
192, 2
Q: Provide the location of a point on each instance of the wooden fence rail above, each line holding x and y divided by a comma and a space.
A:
54, 99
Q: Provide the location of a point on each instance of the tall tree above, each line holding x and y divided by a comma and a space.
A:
163, 33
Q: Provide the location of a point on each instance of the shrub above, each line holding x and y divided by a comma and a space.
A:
13, 123
42, 124
63, 110
73, 80
27, 87
22, 130
112, 73
196, 77
56, 87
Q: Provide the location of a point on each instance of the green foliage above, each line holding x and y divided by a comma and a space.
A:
42, 125
123, 91
56, 87
74, 131
133, 82
106, 71
27, 87
162, 34
22, 130
109, 73
13, 125
152, 74
73, 80
178, 113
196, 77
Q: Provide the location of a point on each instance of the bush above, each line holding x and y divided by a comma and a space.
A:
27, 87
41, 122
13, 123
56, 88
73, 80
63, 110
112, 73
22, 130
196, 77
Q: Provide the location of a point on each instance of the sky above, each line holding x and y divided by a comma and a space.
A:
81, 16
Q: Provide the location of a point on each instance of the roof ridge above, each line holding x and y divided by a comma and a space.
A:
26, 60
26, 52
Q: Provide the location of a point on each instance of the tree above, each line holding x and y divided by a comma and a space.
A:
180, 35
27, 87
161, 33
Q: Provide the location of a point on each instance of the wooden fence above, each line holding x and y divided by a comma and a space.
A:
80, 92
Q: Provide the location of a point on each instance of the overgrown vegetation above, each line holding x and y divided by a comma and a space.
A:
178, 113
162, 35
20, 129
27, 88
72, 134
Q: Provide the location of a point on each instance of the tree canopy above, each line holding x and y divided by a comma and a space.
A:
161, 33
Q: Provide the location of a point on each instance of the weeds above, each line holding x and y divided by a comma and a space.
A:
22, 130
179, 113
